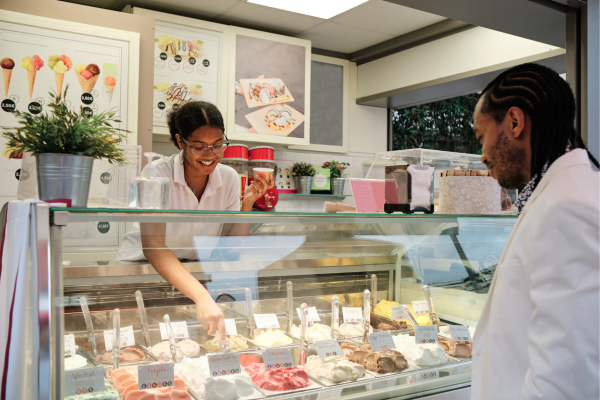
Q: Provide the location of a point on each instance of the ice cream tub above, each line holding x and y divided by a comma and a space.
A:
248, 358
144, 357
292, 341
79, 360
398, 326
319, 333
411, 366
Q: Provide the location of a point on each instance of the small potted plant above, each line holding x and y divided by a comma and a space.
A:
65, 144
337, 173
303, 173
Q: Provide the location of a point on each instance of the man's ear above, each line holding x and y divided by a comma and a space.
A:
515, 122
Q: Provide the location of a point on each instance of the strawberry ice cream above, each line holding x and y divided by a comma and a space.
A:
86, 74
125, 380
278, 379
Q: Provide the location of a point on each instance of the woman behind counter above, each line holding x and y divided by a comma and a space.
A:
198, 182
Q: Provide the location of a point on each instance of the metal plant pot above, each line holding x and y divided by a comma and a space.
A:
337, 186
64, 176
303, 184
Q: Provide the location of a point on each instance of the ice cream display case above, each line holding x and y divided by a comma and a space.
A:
316, 306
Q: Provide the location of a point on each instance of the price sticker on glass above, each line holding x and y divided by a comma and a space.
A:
223, 364
420, 307
82, 381
155, 376
127, 338
278, 358
352, 314
427, 334
266, 321
328, 348
230, 327
180, 330
313, 315
381, 341
460, 333
70, 347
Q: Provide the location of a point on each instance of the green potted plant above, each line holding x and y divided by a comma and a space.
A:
65, 144
337, 173
303, 173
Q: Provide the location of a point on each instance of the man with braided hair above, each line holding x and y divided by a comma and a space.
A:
537, 337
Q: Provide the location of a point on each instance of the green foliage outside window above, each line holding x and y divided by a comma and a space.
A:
442, 125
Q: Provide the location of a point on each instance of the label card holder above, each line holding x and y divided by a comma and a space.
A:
70, 348
155, 376
427, 334
180, 330
82, 381
328, 348
266, 321
278, 358
313, 315
352, 315
460, 333
397, 313
230, 327
420, 307
223, 364
381, 341
127, 338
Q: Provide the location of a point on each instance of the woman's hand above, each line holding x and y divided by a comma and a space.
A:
211, 317
256, 190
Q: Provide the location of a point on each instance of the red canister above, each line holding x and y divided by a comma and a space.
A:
236, 152
262, 153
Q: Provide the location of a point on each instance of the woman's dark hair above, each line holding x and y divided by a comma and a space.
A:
548, 100
191, 116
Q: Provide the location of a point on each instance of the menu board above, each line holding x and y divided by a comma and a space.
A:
187, 67
36, 61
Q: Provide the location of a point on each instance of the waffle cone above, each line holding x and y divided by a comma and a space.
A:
87, 85
59, 78
7, 74
31, 81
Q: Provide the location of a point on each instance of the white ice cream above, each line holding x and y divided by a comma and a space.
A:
336, 369
276, 83
265, 96
421, 354
75, 361
315, 332
185, 348
348, 329
196, 375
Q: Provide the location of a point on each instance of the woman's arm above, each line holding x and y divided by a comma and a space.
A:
253, 193
168, 266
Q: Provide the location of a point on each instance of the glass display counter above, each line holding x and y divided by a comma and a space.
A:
279, 262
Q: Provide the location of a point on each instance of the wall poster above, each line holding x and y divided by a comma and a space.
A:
187, 67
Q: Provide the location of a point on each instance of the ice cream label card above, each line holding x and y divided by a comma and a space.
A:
352, 314
266, 321
397, 312
127, 338
180, 330
427, 334
313, 315
276, 120
420, 307
383, 384
70, 348
460, 333
328, 348
264, 92
230, 327
223, 364
278, 358
381, 341
84, 381
156, 376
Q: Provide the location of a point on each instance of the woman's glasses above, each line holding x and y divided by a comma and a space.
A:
200, 150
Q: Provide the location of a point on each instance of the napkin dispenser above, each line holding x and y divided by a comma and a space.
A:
409, 189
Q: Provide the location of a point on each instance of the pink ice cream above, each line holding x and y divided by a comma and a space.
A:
67, 61
110, 81
37, 63
86, 74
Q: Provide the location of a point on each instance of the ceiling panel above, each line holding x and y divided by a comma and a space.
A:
388, 18
343, 38
269, 19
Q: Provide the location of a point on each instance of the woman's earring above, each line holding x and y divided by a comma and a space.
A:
181, 156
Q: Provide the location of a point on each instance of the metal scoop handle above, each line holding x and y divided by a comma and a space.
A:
172, 344
290, 306
116, 350
143, 318
303, 336
366, 315
408, 315
89, 325
432, 313
335, 317
250, 313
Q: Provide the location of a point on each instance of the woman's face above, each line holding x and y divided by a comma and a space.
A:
205, 163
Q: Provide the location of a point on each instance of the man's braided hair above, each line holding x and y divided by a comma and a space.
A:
548, 100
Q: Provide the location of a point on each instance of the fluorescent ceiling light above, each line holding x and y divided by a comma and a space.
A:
317, 8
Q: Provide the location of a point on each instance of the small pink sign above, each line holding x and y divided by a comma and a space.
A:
369, 196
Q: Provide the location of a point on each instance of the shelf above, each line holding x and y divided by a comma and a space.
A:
326, 196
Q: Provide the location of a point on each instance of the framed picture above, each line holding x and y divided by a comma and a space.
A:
190, 64
269, 85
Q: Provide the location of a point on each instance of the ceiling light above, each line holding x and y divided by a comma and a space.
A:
317, 8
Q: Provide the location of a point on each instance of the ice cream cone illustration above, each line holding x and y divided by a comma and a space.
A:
109, 87
60, 65
32, 65
7, 65
87, 77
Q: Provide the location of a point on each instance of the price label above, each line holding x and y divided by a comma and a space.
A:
381, 341
427, 375
266, 321
383, 384
328, 348
420, 307
155, 376
70, 348
82, 381
397, 313
224, 364
230, 327
278, 358
352, 314
460, 333
180, 330
427, 334
313, 315
126, 337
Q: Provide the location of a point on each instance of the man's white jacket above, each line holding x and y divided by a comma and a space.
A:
538, 336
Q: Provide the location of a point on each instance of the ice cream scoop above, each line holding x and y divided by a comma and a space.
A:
27, 63
7, 63
93, 68
420, 354
377, 361
315, 332
272, 338
336, 369
75, 361
37, 63
278, 379
52, 60
110, 81
237, 342
86, 74
67, 61
80, 67
60, 67
185, 348
457, 349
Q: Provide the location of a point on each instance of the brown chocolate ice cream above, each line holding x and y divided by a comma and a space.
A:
94, 69
7, 63
128, 355
457, 349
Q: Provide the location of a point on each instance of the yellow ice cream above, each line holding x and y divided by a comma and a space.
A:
59, 67
384, 308
27, 63
52, 61
237, 342
164, 39
161, 87
80, 67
